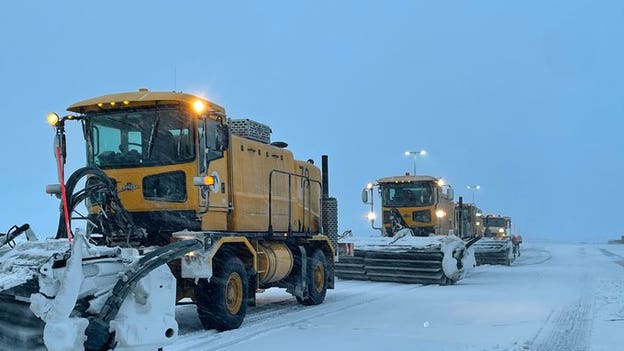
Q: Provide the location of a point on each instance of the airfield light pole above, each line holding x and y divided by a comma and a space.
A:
415, 154
474, 188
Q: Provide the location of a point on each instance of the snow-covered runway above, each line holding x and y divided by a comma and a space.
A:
554, 297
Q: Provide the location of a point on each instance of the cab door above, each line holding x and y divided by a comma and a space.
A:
214, 199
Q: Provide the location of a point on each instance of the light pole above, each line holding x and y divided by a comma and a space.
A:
415, 154
474, 188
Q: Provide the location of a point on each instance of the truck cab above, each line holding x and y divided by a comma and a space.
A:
180, 164
424, 203
498, 227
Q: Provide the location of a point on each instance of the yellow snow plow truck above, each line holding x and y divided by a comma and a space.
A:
179, 203
417, 242
497, 246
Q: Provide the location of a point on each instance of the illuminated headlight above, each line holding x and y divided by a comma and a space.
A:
501, 230
371, 216
199, 106
53, 119
440, 213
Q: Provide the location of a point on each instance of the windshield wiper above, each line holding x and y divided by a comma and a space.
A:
150, 144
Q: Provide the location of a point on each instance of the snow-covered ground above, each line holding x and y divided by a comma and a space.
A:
554, 297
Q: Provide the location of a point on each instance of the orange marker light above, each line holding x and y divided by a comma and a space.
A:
208, 180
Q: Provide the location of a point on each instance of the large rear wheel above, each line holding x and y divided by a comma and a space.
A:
316, 279
222, 302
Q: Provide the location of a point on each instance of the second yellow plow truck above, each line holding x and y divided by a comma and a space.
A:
169, 180
417, 242
498, 246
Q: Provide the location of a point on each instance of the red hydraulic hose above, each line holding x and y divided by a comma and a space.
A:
61, 173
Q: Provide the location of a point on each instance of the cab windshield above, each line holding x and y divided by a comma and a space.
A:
139, 138
407, 194
495, 222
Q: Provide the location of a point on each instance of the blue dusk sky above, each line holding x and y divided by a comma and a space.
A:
524, 98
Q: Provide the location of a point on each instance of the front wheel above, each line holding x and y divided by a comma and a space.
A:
222, 302
316, 279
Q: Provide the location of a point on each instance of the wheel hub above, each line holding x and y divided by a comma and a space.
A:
319, 278
234, 293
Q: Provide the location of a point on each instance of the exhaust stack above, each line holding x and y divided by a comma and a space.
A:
325, 171
330, 206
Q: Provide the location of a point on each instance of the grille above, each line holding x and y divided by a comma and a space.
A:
249, 129
330, 219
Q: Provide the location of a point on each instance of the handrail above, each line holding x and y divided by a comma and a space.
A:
307, 181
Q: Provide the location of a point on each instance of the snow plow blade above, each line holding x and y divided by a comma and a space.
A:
430, 260
60, 296
494, 252
424, 267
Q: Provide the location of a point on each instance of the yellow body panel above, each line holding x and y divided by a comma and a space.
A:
307, 195
441, 225
252, 163
140, 98
129, 187
215, 207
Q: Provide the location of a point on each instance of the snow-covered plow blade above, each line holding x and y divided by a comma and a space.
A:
60, 296
494, 251
412, 260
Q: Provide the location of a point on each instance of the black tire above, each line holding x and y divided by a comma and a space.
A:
448, 281
316, 279
222, 302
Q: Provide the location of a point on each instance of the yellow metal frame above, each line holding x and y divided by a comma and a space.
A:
214, 249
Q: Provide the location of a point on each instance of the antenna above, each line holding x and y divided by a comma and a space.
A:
175, 78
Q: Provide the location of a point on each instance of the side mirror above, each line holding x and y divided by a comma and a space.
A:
222, 137
450, 194
365, 195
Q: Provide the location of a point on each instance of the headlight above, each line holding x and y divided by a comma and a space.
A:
440, 213
501, 230
371, 216
53, 119
199, 106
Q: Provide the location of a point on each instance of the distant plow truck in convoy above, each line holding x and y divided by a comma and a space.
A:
468, 220
498, 246
169, 180
417, 244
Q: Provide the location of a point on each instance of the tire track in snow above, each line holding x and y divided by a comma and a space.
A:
189, 323
269, 321
535, 256
613, 255
268, 310
570, 328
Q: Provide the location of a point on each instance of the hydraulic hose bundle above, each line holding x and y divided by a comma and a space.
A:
112, 220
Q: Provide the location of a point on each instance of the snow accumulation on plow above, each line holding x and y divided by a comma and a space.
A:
79, 296
438, 259
494, 251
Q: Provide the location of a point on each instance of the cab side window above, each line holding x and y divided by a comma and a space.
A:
212, 142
